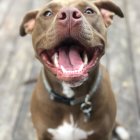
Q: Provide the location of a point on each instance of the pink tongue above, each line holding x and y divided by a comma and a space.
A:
70, 58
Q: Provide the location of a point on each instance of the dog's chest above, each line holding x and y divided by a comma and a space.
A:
69, 131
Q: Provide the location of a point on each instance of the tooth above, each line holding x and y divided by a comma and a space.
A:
81, 68
63, 69
55, 60
71, 72
85, 59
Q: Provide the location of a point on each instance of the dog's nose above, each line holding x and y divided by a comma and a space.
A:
66, 15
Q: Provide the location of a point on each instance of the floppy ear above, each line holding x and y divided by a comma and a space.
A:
28, 23
108, 10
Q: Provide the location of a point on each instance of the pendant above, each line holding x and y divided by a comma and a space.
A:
86, 107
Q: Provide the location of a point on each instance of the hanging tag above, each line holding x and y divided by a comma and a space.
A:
86, 107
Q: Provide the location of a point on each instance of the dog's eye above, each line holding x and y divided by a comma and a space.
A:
48, 13
89, 11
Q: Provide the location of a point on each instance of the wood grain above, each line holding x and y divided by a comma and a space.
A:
18, 65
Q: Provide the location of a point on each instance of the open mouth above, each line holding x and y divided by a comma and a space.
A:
70, 60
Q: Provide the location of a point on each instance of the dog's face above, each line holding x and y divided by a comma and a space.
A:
69, 36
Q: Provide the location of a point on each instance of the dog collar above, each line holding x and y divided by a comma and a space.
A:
72, 101
86, 104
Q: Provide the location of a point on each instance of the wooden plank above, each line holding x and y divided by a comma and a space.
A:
8, 35
15, 69
37, 4
5, 6
133, 18
23, 128
121, 69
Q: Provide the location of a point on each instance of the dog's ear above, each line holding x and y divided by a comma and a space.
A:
28, 23
108, 10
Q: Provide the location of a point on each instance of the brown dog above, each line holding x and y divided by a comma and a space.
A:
73, 99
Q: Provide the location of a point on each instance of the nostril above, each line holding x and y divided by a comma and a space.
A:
63, 16
76, 15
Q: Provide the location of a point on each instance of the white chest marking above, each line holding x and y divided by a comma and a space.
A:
67, 90
69, 131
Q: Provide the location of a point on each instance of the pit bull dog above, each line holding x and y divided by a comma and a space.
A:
73, 98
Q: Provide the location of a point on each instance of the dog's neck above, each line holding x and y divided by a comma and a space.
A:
63, 89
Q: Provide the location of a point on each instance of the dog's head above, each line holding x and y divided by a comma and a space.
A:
69, 36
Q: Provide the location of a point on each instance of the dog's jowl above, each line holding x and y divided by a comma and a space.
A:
73, 99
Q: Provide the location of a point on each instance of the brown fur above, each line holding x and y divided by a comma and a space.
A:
48, 114
45, 34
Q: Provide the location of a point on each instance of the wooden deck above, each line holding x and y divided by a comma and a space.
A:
18, 64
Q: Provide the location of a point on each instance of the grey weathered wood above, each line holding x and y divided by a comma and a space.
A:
4, 10
18, 64
123, 74
133, 15
15, 67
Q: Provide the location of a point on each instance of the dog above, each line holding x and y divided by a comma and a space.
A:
73, 98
